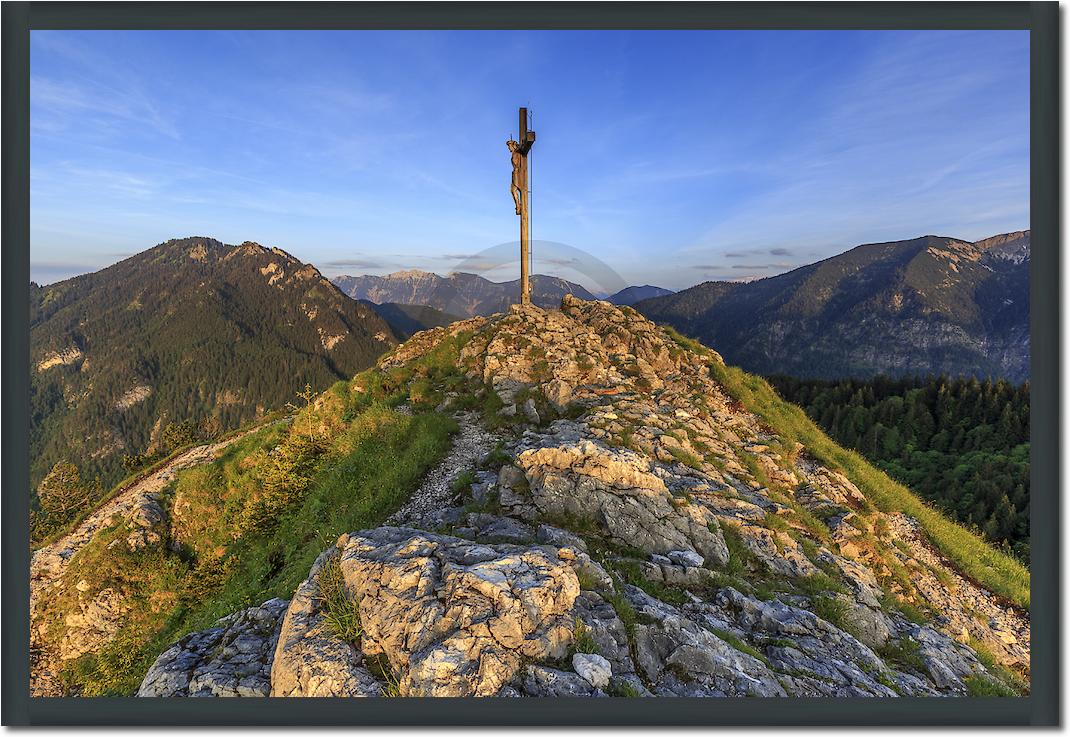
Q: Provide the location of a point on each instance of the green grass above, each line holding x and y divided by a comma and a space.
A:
996, 571
339, 611
497, 457
912, 612
462, 483
819, 583
632, 573
988, 687
622, 690
380, 668
1010, 678
903, 653
377, 459
582, 640
683, 456
739, 557
625, 612
738, 644
831, 609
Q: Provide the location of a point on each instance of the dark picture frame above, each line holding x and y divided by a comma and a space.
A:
1041, 708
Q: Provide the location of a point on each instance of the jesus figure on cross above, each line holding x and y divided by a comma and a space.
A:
517, 185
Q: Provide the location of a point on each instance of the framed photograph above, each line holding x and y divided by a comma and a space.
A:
530, 363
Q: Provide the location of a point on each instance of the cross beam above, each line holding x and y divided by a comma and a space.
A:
525, 139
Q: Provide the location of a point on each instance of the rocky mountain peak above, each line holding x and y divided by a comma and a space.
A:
1012, 247
641, 532
411, 274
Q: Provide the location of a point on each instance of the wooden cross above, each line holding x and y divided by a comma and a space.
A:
525, 141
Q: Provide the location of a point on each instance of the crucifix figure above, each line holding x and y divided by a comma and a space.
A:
517, 185
519, 188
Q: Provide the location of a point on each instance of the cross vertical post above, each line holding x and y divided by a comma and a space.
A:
525, 139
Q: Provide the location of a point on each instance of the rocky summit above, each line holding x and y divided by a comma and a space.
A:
617, 518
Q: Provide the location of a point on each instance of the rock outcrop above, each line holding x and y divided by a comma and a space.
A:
455, 618
234, 658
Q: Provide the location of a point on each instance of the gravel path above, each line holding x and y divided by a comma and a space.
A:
470, 445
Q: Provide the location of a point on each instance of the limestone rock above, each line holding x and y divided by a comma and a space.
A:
309, 659
543, 682
561, 538
231, 659
617, 489
686, 558
593, 668
455, 618
680, 657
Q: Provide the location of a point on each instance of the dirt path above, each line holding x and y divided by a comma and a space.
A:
471, 444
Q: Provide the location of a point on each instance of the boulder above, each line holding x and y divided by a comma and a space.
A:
686, 558
456, 618
593, 668
231, 659
543, 682
617, 489
310, 660
681, 657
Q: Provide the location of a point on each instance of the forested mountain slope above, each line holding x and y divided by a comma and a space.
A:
930, 305
962, 444
189, 331
406, 320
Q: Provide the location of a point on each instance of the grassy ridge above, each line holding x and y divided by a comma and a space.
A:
996, 571
381, 456
248, 526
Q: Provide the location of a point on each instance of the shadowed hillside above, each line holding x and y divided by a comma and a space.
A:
924, 306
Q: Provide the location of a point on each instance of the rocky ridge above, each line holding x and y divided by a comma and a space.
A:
636, 532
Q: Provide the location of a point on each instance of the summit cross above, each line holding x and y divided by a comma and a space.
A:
520, 188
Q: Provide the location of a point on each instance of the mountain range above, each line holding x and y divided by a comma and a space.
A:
406, 320
631, 295
930, 305
458, 293
189, 330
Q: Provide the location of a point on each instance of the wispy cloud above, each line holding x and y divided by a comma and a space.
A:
66, 103
357, 263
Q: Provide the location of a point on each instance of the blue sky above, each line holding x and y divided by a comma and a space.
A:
674, 157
